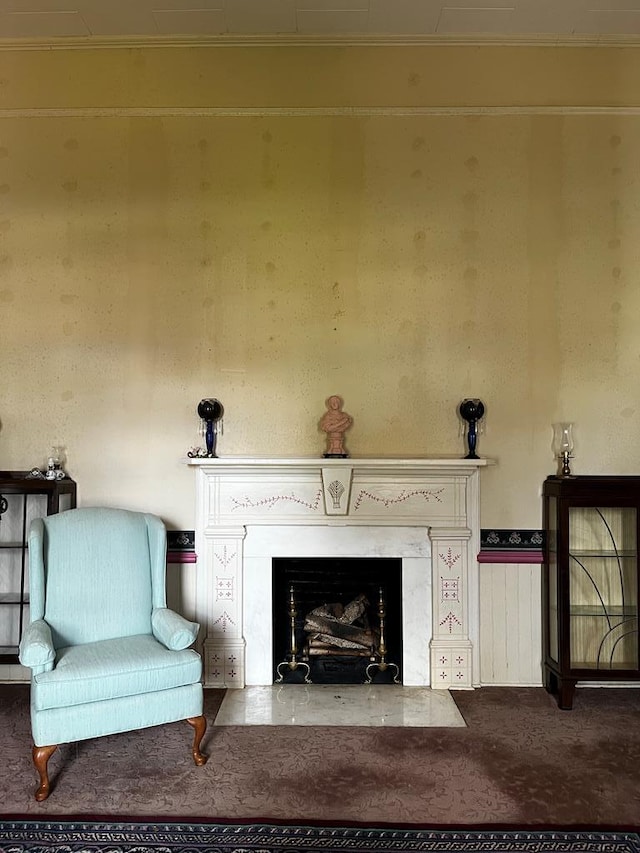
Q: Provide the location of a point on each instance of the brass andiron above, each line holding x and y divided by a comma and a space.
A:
382, 664
292, 663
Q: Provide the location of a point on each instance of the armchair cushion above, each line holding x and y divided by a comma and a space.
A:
109, 669
36, 645
172, 629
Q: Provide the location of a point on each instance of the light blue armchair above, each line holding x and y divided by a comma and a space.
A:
106, 655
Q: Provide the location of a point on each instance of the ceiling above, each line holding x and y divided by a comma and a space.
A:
510, 20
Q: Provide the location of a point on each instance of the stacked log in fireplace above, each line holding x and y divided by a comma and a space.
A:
337, 620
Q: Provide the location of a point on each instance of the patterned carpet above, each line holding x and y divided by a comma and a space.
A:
102, 837
519, 763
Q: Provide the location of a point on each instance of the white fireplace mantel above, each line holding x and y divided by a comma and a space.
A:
423, 510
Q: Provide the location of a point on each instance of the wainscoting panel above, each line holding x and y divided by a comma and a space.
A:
510, 624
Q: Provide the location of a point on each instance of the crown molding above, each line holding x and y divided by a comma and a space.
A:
306, 112
327, 40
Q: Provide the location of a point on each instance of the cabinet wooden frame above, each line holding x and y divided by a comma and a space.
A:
590, 582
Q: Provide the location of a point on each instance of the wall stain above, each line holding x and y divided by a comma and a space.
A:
417, 173
203, 144
616, 307
207, 302
470, 198
205, 261
205, 227
71, 144
68, 298
470, 274
472, 163
67, 395
469, 235
413, 79
267, 137
616, 272
67, 262
270, 267
614, 243
205, 186
70, 186
627, 413
615, 141
419, 237
266, 225
418, 143
7, 296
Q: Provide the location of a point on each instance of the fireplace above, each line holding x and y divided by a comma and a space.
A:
336, 620
422, 513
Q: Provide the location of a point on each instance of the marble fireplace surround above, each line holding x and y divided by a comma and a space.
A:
423, 510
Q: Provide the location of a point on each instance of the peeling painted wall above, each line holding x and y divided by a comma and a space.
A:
176, 224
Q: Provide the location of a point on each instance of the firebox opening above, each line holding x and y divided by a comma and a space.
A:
327, 619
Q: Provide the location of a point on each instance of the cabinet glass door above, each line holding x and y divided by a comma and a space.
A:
552, 582
603, 585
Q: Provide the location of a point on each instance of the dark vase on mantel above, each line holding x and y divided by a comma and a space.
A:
472, 410
210, 410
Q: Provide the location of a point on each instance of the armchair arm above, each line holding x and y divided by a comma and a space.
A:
172, 630
36, 647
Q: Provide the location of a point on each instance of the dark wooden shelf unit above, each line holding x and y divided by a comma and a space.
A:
22, 498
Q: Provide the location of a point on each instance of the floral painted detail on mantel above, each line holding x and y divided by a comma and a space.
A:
449, 559
427, 494
273, 500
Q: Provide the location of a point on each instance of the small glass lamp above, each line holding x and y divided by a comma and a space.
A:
563, 446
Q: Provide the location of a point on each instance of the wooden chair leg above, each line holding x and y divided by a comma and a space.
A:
199, 725
41, 755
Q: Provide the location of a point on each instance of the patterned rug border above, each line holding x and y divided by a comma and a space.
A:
29, 835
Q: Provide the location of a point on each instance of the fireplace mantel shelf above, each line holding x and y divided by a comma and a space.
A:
387, 462
422, 509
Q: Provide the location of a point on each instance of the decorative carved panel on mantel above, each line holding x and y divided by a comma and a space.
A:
423, 510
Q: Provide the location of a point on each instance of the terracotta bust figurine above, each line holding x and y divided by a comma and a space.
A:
335, 423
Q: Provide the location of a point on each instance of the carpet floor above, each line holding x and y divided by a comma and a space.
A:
520, 762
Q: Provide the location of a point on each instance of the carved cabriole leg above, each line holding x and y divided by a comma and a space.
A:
200, 726
41, 755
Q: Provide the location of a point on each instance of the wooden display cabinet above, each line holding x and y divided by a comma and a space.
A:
590, 582
22, 498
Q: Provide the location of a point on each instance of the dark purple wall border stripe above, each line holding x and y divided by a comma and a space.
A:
504, 556
181, 557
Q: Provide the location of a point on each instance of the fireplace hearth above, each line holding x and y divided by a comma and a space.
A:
423, 513
327, 620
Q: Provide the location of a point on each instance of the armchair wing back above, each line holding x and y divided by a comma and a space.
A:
96, 573
106, 654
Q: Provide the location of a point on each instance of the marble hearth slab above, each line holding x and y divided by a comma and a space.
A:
339, 705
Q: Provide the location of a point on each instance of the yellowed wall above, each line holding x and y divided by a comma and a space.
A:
178, 223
